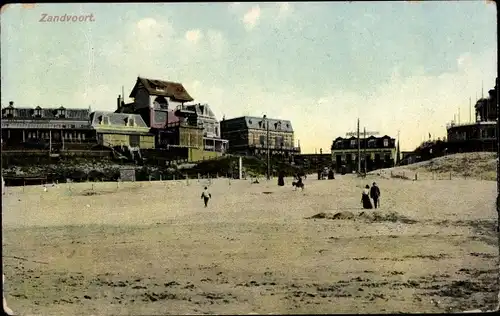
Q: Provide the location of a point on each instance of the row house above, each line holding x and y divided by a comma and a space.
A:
379, 152
51, 128
253, 136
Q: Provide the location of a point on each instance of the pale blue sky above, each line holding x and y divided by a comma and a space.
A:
397, 65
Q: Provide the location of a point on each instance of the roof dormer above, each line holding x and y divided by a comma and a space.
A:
61, 112
37, 112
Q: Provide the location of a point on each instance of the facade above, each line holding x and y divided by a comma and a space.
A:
313, 161
480, 135
380, 153
46, 128
183, 132
201, 115
121, 130
249, 135
152, 101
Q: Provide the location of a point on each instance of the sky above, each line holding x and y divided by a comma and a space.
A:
405, 67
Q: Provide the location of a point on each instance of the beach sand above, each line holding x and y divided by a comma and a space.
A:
152, 248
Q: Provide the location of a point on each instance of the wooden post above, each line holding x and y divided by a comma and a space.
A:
450, 175
161, 178
198, 177
174, 177
187, 179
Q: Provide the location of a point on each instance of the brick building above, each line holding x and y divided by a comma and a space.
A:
250, 135
379, 152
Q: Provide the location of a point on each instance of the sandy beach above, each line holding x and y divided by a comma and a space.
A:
152, 248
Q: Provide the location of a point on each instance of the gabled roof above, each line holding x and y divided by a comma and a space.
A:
173, 90
117, 119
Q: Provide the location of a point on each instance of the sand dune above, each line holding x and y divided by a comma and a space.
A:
477, 165
152, 248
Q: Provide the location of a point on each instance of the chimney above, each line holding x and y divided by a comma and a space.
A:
11, 103
119, 102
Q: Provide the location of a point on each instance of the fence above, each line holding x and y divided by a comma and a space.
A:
450, 175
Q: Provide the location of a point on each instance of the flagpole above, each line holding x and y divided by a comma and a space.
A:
470, 109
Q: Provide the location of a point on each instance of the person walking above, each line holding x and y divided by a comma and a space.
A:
206, 196
365, 198
375, 194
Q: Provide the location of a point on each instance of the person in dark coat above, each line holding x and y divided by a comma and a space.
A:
365, 198
281, 180
331, 176
375, 194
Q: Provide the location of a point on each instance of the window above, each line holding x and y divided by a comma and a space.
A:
262, 140
371, 143
353, 143
105, 120
338, 144
131, 121
279, 141
386, 142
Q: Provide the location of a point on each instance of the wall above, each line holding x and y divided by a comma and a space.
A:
199, 154
141, 99
146, 141
190, 136
254, 138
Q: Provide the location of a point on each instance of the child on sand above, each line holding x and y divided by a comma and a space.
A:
206, 196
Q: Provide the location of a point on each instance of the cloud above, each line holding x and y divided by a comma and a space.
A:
251, 17
193, 36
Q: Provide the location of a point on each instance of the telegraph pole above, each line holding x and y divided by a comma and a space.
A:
359, 152
498, 155
267, 145
364, 145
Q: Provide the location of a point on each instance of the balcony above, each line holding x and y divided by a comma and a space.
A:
286, 148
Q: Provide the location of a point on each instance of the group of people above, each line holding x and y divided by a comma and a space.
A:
374, 193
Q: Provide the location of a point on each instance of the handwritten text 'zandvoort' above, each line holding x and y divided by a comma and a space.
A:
66, 18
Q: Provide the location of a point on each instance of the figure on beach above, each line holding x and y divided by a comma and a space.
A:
365, 198
281, 180
375, 194
298, 183
206, 196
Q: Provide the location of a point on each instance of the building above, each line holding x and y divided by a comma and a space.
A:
379, 152
249, 135
480, 135
201, 115
121, 130
152, 101
313, 161
183, 132
46, 128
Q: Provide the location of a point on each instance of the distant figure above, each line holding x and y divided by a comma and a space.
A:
365, 198
3, 186
298, 183
281, 180
331, 175
375, 194
206, 196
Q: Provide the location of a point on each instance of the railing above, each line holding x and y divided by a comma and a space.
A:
261, 146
